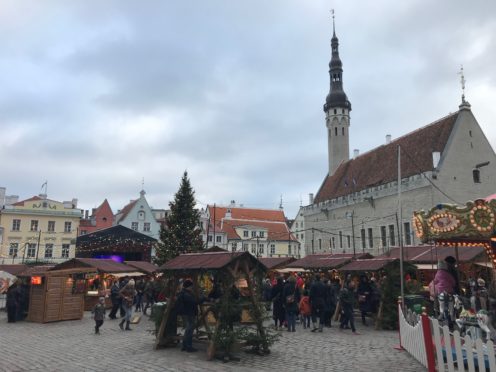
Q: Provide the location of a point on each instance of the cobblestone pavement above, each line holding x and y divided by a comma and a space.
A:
72, 346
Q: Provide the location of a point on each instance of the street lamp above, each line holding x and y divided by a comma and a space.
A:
352, 215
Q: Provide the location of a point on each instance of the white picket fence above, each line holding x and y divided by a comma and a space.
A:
456, 353
412, 335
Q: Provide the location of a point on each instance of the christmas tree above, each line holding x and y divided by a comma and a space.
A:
182, 233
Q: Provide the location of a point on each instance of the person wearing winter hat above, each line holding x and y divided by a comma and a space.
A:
127, 294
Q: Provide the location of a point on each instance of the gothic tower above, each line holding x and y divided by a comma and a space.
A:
337, 111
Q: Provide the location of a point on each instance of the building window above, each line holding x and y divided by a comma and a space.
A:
31, 250
289, 250
383, 236
392, 241
320, 244
218, 239
408, 234
296, 224
261, 248
134, 226
13, 249
341, 239
65, 250
333, 242
51, 226
476, 175
48, 250
34, 225
335, 131
254, 248
262, 234
348, 238
146, 226
210, 238
371, 238
16, 225
272, 249
234, 246
362, 236
141, 215
245, 247
67, 227
245, 234
253, 234
301, 236
342, 130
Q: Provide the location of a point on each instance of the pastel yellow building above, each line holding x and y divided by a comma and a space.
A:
38, 229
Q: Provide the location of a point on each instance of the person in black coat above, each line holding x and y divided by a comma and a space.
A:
364, 292
187, 307
291, 296
278, 311
13, 303
317, 300
115, 298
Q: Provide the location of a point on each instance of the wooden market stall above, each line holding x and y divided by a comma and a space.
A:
98, 280
145, 267
55, 295
228, 269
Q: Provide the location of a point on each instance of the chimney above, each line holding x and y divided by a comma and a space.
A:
228, 214
356, 152
436, 156
310, 198
233, 203
388, 139
74, 202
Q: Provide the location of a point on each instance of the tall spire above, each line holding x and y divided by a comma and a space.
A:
336, 97
464, 104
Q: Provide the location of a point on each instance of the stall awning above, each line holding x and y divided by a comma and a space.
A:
122, 275
426, 266
291, 270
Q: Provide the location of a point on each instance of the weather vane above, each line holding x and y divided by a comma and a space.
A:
462, 81
332, 13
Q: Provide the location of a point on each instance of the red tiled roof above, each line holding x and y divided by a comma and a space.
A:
328, 261
276, 262
372, 264
123, 213
379, 166
276, 230
248, 214
13, 269
102, 265
204, 261
431, 254
143, 266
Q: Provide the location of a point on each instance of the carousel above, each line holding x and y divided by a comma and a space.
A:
473, 305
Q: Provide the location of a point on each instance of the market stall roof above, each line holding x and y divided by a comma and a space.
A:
13, 269
102, 265
208, 261
373, 264
431, 254
114, 234
35, 270
143, 266
272, 263
215, 249
326, 261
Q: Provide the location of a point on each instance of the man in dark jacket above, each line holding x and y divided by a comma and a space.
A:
347, 300
317, 300
187, 307
13, 301
115, 298
291, 296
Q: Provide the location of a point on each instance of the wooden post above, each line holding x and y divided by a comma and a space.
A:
400, 309
429, 346
165, 318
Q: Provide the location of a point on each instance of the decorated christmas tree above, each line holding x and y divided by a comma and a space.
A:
182, 233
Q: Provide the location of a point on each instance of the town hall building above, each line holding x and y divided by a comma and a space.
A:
356, 207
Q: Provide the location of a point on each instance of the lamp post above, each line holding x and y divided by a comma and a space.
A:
352, 215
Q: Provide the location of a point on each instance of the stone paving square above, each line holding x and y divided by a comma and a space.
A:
72, 346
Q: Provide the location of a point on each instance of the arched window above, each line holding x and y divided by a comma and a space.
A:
335, 111
342, 130
476, 175
335, 131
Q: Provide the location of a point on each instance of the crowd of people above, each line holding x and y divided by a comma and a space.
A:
313, 300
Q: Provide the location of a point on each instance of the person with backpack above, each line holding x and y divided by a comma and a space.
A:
291, 296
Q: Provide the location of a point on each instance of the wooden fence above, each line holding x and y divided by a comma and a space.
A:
412, 335
456, 353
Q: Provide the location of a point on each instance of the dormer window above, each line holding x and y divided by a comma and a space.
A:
476, 176
141, 215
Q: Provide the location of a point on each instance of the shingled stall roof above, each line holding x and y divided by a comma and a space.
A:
431, 254
102, 265
191, 262
379, 166
326, 261
13, 269
373, 264
143, 266
276, 262
35, 270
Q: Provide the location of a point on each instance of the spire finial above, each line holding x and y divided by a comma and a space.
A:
462, 82
280, 204
333, 24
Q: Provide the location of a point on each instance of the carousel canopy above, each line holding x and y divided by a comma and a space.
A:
428, 254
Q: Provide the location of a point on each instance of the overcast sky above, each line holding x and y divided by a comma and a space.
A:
96, 95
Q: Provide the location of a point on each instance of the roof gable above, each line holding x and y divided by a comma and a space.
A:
379, 166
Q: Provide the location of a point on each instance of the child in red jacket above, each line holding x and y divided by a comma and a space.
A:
305, 309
